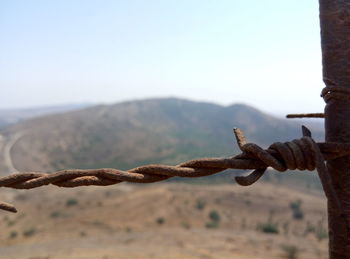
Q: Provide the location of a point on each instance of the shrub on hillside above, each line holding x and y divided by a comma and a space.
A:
297, 212
200, 204
160, 220
13, 234
268, 227
29, 232
291, 251
212, 224
214, 216
71, 202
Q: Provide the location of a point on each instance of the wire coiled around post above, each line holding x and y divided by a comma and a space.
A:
301, 154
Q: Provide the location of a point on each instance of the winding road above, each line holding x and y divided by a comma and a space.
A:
6, 144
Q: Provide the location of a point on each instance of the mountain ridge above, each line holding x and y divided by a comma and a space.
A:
12, 116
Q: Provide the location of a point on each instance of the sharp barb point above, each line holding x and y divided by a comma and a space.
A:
240, 138
7, 207
306, 131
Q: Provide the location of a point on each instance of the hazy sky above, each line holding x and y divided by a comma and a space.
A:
263, 53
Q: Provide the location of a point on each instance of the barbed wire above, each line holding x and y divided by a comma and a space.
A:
301, 154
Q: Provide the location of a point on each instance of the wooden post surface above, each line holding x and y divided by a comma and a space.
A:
335, 38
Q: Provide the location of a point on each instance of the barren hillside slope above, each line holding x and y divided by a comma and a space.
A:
165, 221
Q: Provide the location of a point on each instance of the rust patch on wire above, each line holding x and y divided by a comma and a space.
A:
301, 154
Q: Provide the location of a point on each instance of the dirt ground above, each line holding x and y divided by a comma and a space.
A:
165, 221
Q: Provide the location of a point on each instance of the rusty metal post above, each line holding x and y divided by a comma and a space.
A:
335, 38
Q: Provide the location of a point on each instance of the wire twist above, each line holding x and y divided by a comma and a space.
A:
335, 92
301, 154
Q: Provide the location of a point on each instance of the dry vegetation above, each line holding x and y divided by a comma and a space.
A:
165, 221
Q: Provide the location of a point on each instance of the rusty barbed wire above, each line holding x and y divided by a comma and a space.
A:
301, 154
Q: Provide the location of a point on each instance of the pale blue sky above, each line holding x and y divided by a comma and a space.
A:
263, 53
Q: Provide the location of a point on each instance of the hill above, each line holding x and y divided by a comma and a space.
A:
132, 133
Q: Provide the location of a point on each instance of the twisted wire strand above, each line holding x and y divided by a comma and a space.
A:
301, 154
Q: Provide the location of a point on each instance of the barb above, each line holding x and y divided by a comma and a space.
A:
305, 115
297, 154
7, 207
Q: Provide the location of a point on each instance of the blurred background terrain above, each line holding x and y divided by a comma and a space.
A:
211, 217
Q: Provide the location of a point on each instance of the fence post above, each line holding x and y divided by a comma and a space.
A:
335, 39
